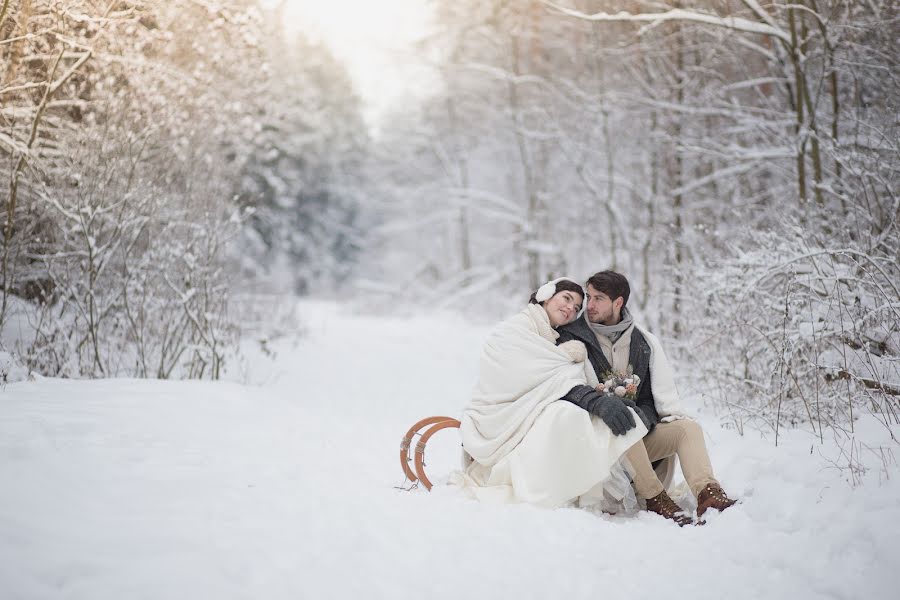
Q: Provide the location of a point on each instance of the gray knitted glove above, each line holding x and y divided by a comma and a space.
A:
612, 410
643, 416
577, 395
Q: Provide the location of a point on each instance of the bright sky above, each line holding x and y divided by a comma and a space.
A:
374, 39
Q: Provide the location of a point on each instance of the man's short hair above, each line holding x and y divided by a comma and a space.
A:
612, 284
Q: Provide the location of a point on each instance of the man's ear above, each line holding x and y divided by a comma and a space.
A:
618, 302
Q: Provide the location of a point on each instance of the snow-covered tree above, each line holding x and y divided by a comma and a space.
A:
129, 132
304, 178
737, 160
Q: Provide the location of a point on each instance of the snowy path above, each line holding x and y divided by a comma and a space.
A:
136, 489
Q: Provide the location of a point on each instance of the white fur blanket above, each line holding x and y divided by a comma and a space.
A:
527, 444
521, 373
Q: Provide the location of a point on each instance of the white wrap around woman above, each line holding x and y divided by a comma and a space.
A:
526, 444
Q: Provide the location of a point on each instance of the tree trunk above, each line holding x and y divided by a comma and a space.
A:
799, 104
534, 277
678, 182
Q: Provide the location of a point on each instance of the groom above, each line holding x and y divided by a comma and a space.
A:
615, 344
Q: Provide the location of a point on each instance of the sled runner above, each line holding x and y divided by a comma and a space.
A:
433, 424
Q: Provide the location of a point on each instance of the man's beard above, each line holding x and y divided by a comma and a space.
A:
603, 319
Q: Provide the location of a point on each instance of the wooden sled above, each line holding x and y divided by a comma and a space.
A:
433, 424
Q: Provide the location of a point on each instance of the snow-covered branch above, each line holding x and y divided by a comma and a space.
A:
678, 14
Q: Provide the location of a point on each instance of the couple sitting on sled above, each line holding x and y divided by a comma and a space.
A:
580, 408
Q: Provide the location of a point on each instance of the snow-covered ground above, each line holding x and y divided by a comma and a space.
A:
283, 487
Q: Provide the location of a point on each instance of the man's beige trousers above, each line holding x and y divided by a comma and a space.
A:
682, 437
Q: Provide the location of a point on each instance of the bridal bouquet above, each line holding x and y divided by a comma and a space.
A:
623, 384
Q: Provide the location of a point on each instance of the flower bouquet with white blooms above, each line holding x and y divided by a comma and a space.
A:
623, 384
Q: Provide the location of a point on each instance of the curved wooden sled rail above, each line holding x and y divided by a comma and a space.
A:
436, 423
420, 449
405, 458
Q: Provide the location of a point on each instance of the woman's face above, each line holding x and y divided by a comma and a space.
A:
563, 307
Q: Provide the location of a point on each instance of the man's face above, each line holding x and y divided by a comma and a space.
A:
601, 309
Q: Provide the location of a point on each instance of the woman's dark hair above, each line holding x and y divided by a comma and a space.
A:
613, 284
561, 286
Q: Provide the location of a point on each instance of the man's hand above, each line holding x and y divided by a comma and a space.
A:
612, 410
640, 413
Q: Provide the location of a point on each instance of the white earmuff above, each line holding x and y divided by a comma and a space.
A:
545, 292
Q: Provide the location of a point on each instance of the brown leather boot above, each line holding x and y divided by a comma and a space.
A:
713, 496
663, 505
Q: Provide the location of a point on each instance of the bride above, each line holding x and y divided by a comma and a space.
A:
522, 442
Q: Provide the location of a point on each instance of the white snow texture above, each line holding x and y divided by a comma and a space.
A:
284, 488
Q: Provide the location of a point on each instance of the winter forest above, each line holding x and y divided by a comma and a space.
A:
175, 175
